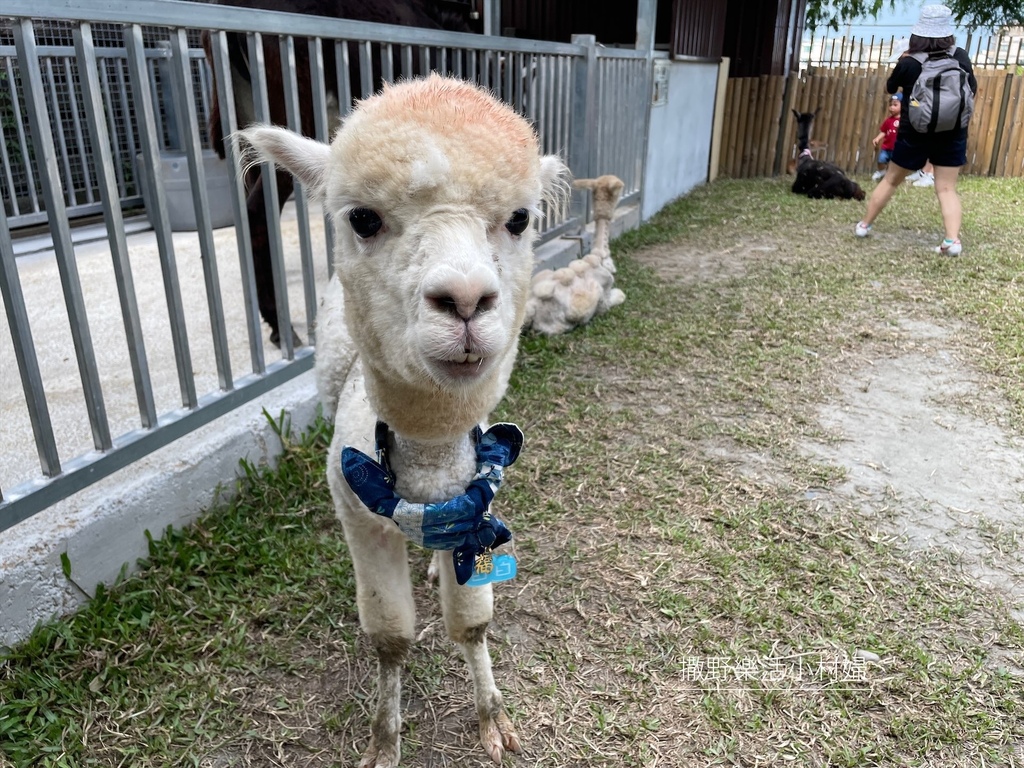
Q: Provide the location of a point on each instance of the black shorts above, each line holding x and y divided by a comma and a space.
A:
913, 150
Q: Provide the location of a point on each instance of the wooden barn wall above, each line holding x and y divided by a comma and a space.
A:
760, 36
686, 27
558, 20
698, 28
537, 19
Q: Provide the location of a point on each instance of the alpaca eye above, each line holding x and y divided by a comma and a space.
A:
519, 222
365, 223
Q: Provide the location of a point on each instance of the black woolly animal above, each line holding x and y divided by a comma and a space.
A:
818, 179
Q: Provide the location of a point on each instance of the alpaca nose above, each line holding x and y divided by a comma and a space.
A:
461, 294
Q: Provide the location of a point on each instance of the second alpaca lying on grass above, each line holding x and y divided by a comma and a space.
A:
565, 298
816, 178
432, 186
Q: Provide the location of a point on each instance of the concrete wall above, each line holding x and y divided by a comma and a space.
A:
102, 528
679, 137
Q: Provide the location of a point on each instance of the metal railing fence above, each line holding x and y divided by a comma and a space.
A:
84, 126
624, 98
61, 81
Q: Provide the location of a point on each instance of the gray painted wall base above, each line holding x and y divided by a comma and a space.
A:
102, 528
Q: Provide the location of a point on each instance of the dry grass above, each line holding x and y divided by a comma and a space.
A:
669, 525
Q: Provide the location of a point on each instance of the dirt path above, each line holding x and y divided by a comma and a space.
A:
917, 430
920, 457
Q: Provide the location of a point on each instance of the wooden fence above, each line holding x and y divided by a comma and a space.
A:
759, 132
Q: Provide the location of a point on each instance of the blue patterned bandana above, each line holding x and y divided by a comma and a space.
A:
463, 524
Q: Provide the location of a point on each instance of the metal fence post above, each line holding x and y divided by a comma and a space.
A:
492, 17
582, 144
188, 128
56, 211
28, 362
157, 211
646, 14
646, 18
229, 124
92, 96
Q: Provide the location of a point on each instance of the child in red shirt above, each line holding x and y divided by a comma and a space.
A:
886, 137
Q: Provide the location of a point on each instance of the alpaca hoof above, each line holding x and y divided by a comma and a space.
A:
498, 736
380, 755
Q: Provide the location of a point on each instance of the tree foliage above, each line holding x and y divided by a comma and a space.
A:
968, 13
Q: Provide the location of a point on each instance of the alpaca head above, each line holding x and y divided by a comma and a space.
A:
434, 188
606, 192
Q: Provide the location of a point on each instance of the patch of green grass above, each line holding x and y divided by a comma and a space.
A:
143, 670
734, 365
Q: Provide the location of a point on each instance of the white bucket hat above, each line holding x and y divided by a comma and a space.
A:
935, 21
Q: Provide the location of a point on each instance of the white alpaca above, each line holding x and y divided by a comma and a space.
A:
431, 186
565, 298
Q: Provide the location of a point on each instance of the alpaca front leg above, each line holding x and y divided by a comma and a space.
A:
496, 731
387, 616
384, 749
467, 612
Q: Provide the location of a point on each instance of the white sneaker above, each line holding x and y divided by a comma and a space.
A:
926, 180
915, 176
950, 247
861, 229
877, 175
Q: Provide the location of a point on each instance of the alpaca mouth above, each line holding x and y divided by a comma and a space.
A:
464, 367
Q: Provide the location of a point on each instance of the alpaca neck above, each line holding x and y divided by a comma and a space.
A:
601, 235
429, 413
416, 466
803, 137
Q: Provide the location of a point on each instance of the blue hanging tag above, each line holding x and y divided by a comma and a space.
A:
491, 567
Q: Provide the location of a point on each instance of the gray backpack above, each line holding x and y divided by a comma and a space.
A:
941, 99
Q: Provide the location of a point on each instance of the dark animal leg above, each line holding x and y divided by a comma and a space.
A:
213, 125
385, 729
263, 270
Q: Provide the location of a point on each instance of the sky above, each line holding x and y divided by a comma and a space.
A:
895, 22
891, 24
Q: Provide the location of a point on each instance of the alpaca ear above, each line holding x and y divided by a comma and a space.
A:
796, 114
303, 158
554, 180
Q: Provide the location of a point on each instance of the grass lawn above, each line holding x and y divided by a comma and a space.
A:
696, 588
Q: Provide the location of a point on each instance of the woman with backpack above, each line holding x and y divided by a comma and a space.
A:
938, 84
